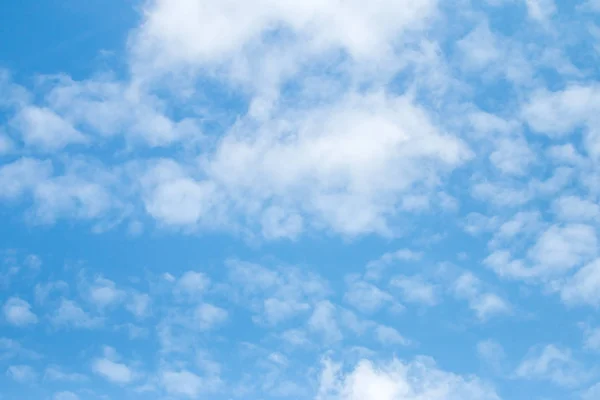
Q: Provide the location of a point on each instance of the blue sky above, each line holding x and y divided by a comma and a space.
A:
267, 199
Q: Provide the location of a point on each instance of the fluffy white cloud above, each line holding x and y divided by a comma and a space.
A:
559, 113
195, 33
375, 268
584, 286
103, 293
70, 314
43, 129
485, 304
322, 162
324, 322
396, 380
111, 370
541, 10
139, 304
21, 176
209, 316
553, 364
389, 336
416, 289
18, 312
561, 248
193, 284
573, 208
365, 296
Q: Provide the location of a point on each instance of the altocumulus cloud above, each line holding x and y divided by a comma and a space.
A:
324, 200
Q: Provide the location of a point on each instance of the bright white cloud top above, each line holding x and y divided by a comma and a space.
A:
284, 199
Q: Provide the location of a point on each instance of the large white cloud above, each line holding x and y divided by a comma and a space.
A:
347, 167
396, 380
205, 32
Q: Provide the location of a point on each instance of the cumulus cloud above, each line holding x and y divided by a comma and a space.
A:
485, 304
366, 297
209, 316
416, 289
551, 363
42, 128
70, 314
110, 369
395, 380
18, 312
166, 38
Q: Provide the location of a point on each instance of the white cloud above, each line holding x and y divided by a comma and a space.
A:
479, 48
193, 284
561, 248
560, 113
43, 129
139, 304
276, 295
278, 310
489, 304
522, 224
419, 379
44, 290
104, 293
18, 312
176, 199
278, 223
21, 373
416, 289
332, 167
484, 304
576, 209
504, 265
295, 337
389, 336
553, 364
584, 286
209, 317
290, 162
111, 370
21, 176
375, 268
108, 108
69, 314
512, 156
192, 33
366, 297
324, 321
541, 10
